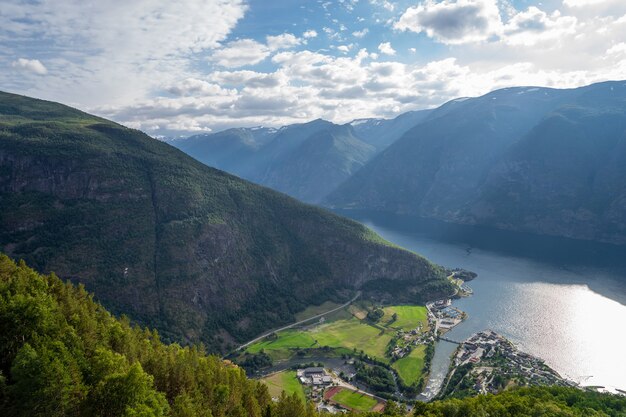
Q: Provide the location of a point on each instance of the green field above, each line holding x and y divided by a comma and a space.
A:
354, 400
410, 367
286, 340
353, 334
345, 333
408, 317
284, 381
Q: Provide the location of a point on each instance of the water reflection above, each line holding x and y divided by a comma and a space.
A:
568, 312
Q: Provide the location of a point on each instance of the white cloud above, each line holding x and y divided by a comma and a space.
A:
535, 25
360, 33
193, 86
240, 53
249, 79
156, 73
91, 46
582, 3
283, 41
385, 48
458, 22
617, 49
31, 65
307, 85
389, 6
453, 22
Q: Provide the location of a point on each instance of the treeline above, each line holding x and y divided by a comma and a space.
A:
529, 402
62, 354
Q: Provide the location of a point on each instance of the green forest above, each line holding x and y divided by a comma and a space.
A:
63, 354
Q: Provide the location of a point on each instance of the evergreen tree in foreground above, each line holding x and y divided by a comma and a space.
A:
62, 354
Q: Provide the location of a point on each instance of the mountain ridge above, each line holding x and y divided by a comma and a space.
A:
456, 165
171, 242
297, 159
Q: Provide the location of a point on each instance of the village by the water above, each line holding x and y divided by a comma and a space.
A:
369, 354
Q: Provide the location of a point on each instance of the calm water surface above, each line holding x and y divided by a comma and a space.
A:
566, 303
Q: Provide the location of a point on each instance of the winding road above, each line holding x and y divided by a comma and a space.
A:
263, 336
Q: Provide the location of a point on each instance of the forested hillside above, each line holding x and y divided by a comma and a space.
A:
190, 250
62, 354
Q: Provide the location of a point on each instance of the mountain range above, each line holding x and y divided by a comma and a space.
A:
536, 160
306, 161
540, 160
190, 250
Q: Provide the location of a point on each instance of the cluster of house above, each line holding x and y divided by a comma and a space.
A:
314, 376
480, 345
522, 367
415, 337
446, 316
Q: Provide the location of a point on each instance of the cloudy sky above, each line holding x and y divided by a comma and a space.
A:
187, 66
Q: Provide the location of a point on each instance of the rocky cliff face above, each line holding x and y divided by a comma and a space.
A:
192, 251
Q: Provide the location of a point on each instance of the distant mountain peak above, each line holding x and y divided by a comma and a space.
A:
533, 159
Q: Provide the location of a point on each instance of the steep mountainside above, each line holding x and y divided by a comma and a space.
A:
540, 160
566, 177
306, 161
192, 251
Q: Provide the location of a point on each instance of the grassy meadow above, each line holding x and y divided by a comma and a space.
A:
408, 316
312, 311
354, 400
284, 381
343, 333
410, 367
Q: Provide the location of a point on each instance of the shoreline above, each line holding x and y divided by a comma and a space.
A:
490, 363
439, 322
459, 277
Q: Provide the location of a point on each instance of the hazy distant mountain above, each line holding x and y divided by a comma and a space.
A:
534, 159
307, 160
318, 165
228, 149
191, 250
380, 133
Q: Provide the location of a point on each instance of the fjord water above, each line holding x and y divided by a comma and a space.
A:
561, 300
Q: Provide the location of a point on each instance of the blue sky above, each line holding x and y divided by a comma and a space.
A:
177, 68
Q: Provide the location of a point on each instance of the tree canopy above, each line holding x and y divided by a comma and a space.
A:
63, 354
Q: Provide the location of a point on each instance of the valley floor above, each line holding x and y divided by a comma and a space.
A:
376, 352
